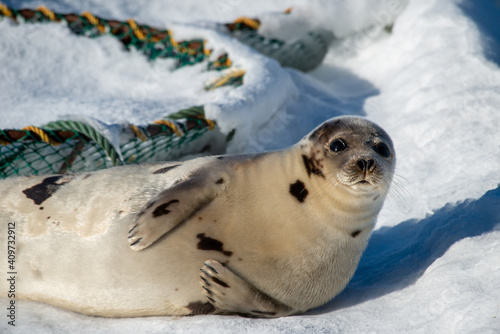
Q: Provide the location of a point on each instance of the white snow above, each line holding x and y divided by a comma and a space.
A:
433, 262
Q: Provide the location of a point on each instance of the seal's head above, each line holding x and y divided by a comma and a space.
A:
352, 152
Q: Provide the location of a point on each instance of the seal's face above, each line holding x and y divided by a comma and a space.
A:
357, 154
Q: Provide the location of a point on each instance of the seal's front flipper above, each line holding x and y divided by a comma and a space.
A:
162, 213
229, 293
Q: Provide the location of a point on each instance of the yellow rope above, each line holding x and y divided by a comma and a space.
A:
172, 40
171, 125
222, 80
94, 21
47, 12
5, 11
248, 21
137, 32
226, 63
211, 124
41, 134
138, 133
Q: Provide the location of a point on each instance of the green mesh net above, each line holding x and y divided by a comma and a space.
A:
152, 42
70, 146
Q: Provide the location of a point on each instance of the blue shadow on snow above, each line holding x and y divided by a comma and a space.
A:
397, 256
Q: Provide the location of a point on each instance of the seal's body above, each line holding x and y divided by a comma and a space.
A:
268, 234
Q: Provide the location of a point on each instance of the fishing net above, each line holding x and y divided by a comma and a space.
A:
74, 146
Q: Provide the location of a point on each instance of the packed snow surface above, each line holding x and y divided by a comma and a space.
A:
426, 71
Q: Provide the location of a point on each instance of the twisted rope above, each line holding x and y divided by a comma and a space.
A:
48, 13
94, 21
5, 11
91, 133
252, 23
192, 112
151, 41
233, 76
138, 133
42, 134
171, 125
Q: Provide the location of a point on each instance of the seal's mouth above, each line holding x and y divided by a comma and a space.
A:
363, 185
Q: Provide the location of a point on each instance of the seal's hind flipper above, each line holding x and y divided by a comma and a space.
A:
162, 213
231, 294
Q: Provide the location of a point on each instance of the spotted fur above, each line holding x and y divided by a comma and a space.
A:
355, 233
209, 244
165, 169
296, 221
299, 191
162, 209
43, 191
199, 308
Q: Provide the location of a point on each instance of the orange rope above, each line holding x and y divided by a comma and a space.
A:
171, 125
41, 134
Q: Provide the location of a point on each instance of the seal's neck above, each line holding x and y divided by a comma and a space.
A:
330, 199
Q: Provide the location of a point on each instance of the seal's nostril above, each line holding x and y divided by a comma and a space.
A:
362, 164
369, 164
365, 164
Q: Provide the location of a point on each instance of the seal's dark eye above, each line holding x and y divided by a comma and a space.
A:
338, 145
382, 150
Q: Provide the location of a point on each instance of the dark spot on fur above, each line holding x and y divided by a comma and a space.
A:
43, 191
198, 308
207, 243
355, 233
165, 169
200, 218
120, 212
48, 217
220, 181
176, 289
143, 211
220, 282
87, 176
240, 259
162, 209
263, 312
41, 208
299, 191
220, 158
312, 166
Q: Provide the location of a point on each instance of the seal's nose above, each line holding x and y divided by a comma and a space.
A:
365, 164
